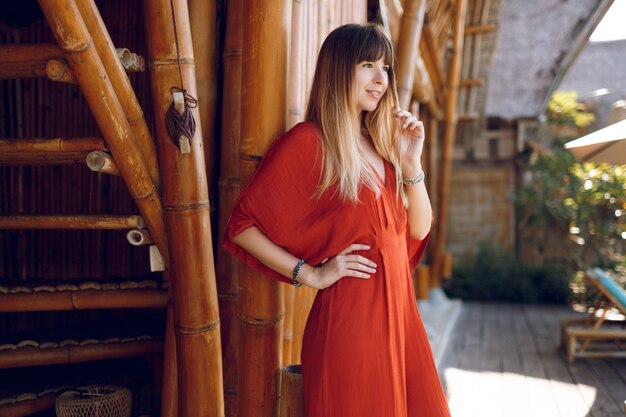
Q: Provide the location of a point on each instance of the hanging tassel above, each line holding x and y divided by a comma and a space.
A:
179, 120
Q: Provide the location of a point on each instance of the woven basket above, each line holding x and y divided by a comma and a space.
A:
95, 401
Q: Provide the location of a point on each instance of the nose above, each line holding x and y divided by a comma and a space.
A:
380, 76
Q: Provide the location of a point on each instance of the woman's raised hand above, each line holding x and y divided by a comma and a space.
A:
412, 139
344, 264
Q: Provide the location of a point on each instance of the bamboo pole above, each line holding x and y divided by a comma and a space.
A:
291, 392
169, 389
83, 300
25, 61
479, 29
28, 407
40, 158
261, 309
71, 221
99, 161
203, 19
187, 216
287, 343
121, 85
227, 265
71, 33
32, 356
302, 305
15, 145
432, 60
408, 44
448, 139
58, 70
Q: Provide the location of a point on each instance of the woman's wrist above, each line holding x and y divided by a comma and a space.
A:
411, 170
307, 275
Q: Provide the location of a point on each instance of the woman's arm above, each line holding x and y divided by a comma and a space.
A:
344, 264
419, 211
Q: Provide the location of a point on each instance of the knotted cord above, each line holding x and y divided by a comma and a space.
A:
178, 124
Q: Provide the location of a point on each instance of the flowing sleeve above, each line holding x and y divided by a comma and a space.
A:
279, 198
415, 249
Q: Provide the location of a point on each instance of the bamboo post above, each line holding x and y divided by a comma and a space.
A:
71, 221
261, 309
187, 216
203, 19
121, 84
291, 392
169, 389
227, 265
73, 37
408, 45
302, 305
448, 139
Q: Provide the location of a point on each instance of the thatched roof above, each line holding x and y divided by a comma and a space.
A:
599, 66
537, 41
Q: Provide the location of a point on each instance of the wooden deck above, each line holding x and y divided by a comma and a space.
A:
505, 360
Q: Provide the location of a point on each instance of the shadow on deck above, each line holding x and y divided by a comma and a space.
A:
505, 360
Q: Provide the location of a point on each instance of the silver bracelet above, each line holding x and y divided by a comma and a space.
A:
413, 181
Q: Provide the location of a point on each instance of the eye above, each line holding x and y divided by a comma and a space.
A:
386, 68
367, 65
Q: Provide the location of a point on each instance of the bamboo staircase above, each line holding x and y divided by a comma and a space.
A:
127, 149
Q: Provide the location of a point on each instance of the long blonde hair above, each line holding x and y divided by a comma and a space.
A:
333, 108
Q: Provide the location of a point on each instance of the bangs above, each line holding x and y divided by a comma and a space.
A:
374, 45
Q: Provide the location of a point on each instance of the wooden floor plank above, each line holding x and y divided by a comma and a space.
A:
505, 360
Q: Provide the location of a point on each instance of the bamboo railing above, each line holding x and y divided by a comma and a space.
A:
73, 38
408, 43
227, 266
448, 141
187, 217
261, 305
121, 85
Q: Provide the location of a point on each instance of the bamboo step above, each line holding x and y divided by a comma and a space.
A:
31, 390
72, 221
71, 351
28, 296
48, 151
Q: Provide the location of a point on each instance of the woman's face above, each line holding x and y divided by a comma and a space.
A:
372, 80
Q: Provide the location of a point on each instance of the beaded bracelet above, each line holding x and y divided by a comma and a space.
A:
296, 274
413, 181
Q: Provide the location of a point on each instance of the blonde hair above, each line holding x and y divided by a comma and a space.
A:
333, 108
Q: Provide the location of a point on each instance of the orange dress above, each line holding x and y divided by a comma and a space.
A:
365, 352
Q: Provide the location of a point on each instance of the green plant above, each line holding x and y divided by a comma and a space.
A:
564, 109
496, 275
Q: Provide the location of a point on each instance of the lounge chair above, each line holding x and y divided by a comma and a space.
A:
596, 336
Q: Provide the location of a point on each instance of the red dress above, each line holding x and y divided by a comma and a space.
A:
365, 352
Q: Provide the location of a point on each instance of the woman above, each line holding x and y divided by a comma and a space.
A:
339, 204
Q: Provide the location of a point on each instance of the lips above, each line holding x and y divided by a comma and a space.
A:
375, 93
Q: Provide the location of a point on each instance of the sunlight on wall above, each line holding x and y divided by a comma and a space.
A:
473, 393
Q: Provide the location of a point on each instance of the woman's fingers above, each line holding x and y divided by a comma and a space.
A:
354, 247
